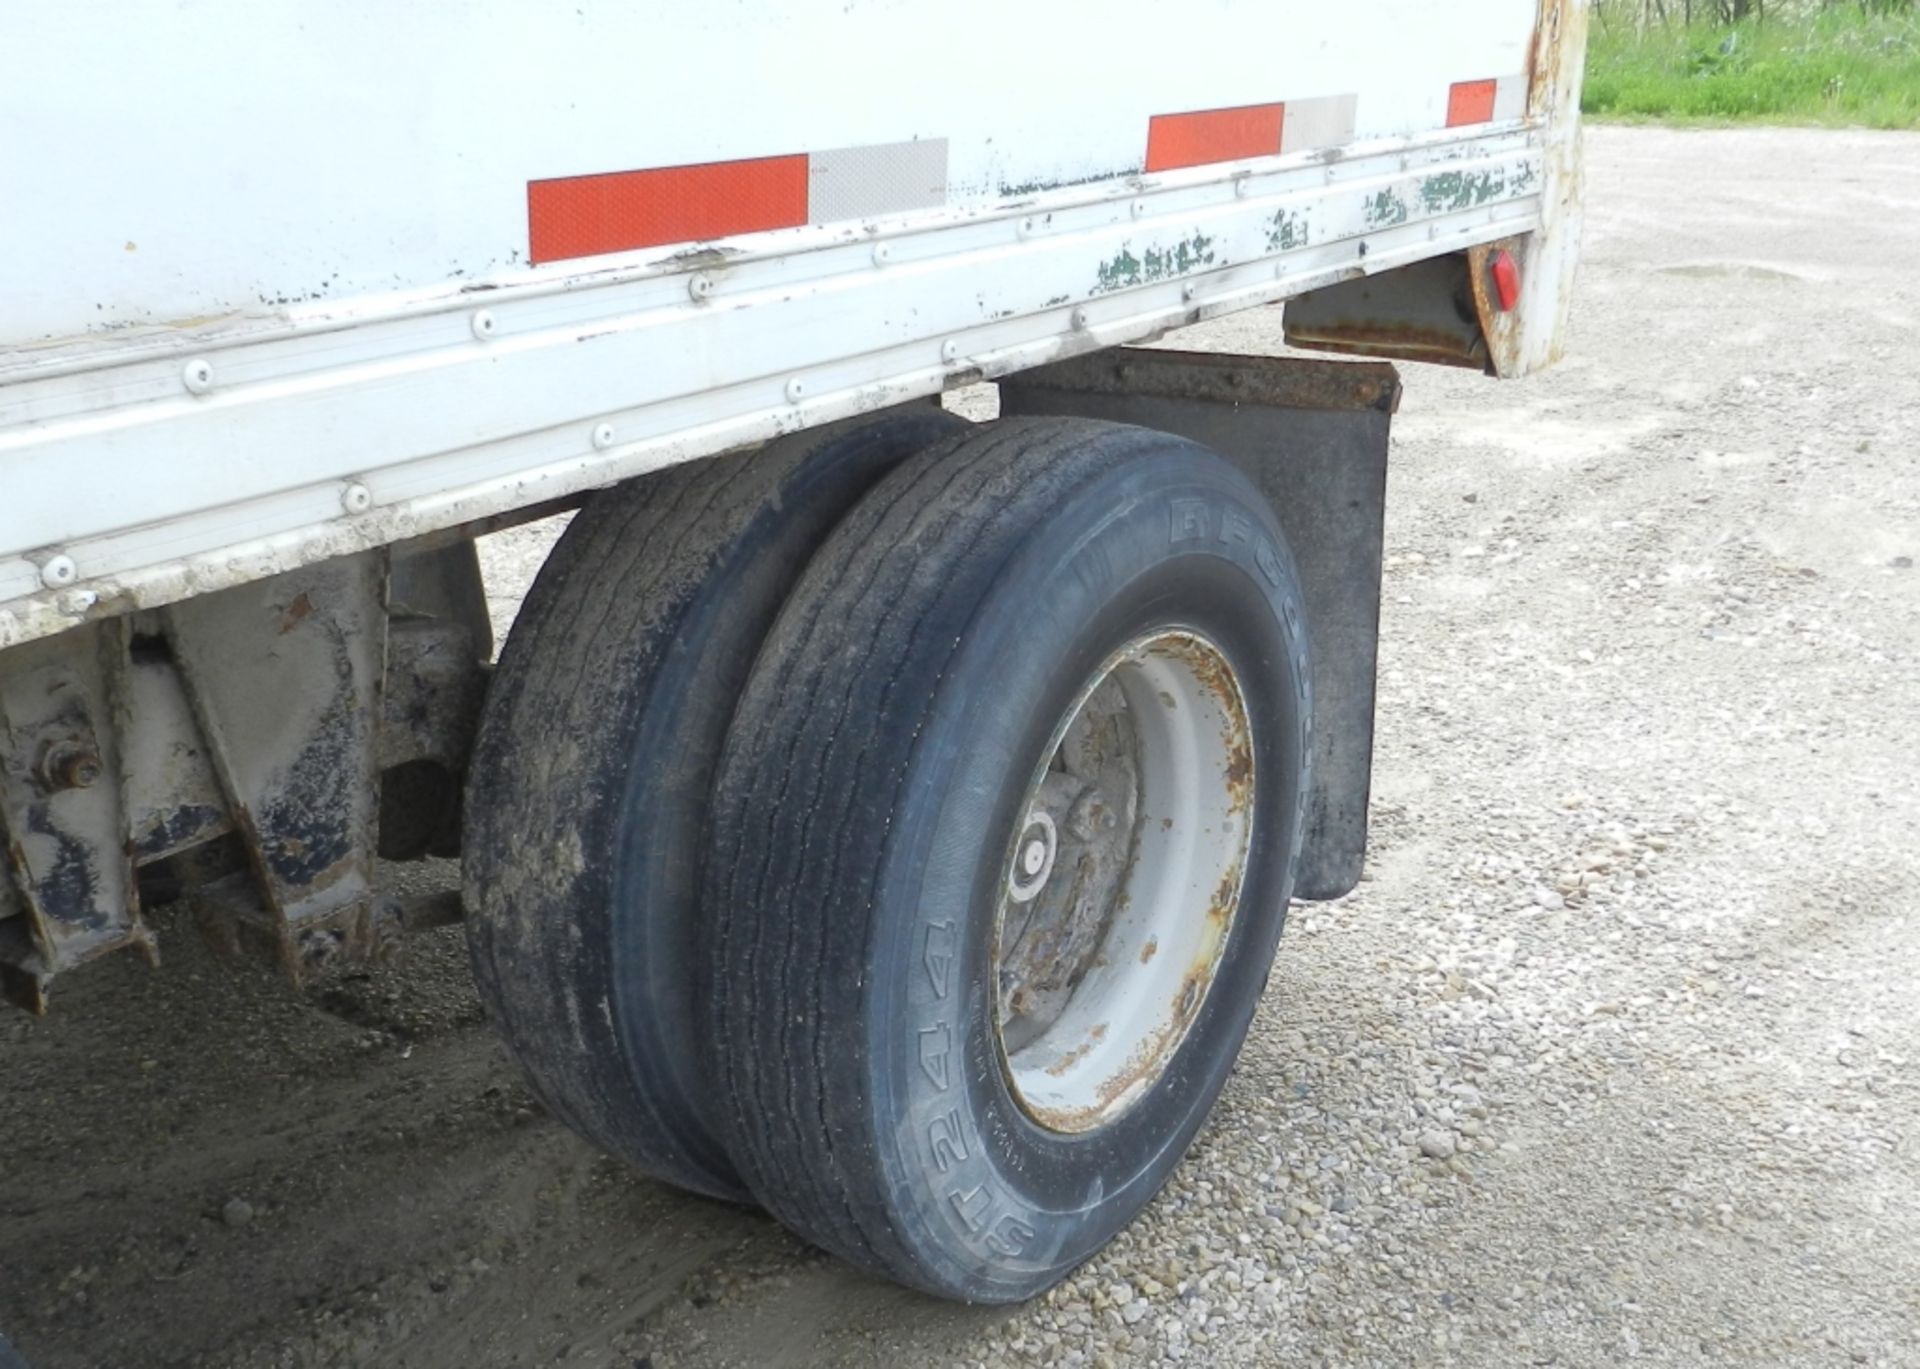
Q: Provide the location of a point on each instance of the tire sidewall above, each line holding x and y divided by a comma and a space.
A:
588, 808
1170, 538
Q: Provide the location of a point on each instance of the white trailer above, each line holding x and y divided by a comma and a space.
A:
881, 818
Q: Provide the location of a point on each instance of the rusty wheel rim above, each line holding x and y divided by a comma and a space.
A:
1122, 883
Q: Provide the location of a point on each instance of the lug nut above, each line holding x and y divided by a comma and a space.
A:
70, 765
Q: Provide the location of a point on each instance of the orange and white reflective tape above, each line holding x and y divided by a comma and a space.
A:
1204, 137
620, 211
1314, 125
1495, 101
1210, 136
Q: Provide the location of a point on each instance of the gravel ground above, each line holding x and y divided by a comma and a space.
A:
1614, 1057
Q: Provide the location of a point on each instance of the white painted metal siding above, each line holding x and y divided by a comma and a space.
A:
171, 160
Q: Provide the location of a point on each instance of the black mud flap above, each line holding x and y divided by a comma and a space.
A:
1314, 435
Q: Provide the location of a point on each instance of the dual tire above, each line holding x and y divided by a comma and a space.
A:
899, 836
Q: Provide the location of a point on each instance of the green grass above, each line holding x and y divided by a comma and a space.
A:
1842, 67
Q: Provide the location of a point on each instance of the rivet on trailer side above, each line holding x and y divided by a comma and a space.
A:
745, 798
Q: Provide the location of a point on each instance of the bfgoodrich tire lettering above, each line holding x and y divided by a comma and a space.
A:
870, 792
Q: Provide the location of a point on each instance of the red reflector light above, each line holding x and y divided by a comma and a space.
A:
1506, 281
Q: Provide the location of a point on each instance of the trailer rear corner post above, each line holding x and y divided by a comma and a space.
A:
1499, 306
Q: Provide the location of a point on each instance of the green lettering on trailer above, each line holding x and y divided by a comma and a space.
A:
1452, 191
1289, 231
1386, 210
1125, 270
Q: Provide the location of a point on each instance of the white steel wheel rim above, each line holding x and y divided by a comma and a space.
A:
1122, 881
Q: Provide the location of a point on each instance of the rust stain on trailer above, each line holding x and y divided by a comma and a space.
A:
1559, 52
1219, 378
1500, 328
295, 611
1402, 342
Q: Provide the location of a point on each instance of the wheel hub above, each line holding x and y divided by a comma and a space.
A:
1134, 838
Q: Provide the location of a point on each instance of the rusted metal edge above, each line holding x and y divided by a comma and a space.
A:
1423, 312
1501, 329
1380, 348
1269, 382
496, 522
